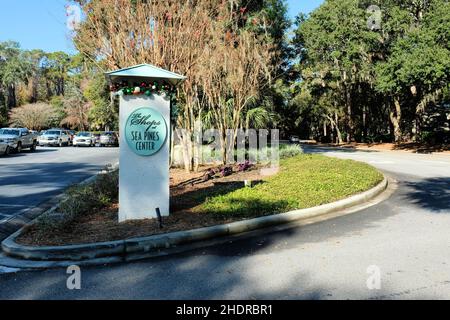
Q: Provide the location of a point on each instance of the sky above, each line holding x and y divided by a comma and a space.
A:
42, 24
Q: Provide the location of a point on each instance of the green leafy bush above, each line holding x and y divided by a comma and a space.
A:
82, 199
289, 151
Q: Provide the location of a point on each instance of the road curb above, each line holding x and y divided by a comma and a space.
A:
20, 256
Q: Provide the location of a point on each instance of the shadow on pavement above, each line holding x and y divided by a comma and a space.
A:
28, 185
432, 194
26, 152
423, 148
236, 269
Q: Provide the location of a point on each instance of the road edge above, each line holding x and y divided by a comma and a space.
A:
19, 256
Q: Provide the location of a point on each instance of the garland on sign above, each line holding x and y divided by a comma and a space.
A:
147, 88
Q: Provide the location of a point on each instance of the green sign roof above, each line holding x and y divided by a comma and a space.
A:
146, 71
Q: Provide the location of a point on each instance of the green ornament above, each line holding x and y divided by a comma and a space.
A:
148, 93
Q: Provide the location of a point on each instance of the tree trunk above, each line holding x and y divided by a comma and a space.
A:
351, 129
198, 144
49, 90
338, 132
187, 151
396, 115
223, 146
35, 93
335, 125
364, 133
12, 102
172, 144
186, 147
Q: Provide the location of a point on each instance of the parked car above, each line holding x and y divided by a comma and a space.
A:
84, 139
54, 137
4, 148
97, 139
71, 134
294, 139
18, 139
40, 134
109, 139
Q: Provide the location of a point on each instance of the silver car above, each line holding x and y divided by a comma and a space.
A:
18, 139
8, 141
86, 139
109, 139
54, 137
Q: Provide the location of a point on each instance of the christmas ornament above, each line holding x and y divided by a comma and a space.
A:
164, 89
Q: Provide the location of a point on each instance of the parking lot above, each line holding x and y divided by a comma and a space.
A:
30, 178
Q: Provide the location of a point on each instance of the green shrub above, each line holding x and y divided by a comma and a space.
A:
264, 154
427, 137
434, 137
289, 151
82, 199
380, 138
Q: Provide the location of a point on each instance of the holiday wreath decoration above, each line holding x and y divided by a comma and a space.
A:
148, 89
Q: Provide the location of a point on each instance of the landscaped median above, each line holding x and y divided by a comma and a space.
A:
306, 186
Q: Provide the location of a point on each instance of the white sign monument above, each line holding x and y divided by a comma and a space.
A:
145, 112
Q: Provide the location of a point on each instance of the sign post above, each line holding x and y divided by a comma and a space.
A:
144, 120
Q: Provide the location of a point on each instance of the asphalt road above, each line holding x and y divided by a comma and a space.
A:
406, 237
28, 179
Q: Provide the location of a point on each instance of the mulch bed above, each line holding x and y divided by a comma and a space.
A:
188, 191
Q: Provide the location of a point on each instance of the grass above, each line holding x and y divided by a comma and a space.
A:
89, 212
304, 181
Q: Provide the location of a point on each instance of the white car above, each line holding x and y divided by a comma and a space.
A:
55, 137
4, 148
294, 139
86, 139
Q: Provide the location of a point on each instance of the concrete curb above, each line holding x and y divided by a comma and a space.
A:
164, 244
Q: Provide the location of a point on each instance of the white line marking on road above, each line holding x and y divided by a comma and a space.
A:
8, 270
12, 206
